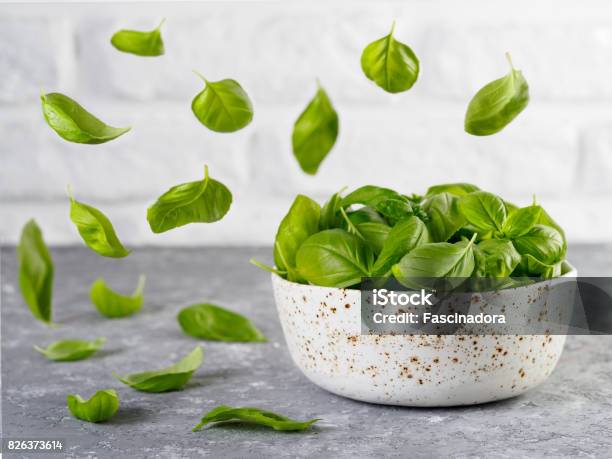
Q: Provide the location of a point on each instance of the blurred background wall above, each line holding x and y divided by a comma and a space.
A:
559, 149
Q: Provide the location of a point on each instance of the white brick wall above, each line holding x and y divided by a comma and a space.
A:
560, 148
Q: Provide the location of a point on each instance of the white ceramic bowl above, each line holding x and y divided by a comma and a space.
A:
322, 327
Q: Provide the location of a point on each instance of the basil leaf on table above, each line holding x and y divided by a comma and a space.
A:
403, 237
542, 242
147, 44
173, 377
500, 257
211, 322
102, 406
390, 64
75, 124
496, 104
203, 201
112, 304
435, 260
315, 132
96, 230
35, 272
334, 258
222, 106
520, 221
71, 349
457, 189
224, 413
483, 210
301, 222
444, 216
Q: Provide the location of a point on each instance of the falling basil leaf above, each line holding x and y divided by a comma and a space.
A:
223, 106
140, 43
71, 349
390, 64
224, 413
315, 132
204, 201
35, 272
211, 322
75, 124
171, 378
100, 407
112, 304
495, 105
96, 230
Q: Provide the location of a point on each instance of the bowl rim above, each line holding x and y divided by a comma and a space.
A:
570, 269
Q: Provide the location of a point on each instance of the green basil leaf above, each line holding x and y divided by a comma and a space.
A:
457, 189
112, 304
224, 413
334, 258
390, 64
146, 44
395, 210
444, 216
75, 124
365, 215
211, 322
171, 378
301, 222
534, 267
330, 213
102, 406
500, 257
35, 272
546, 219
71, 349
315, 132
495, 105
484, 211
96, 230
223, 106
544, 243
403, 237
204, 201
374, 234
436, 260
370, 196
520, 221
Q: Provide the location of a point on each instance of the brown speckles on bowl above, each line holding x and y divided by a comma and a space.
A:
322, 327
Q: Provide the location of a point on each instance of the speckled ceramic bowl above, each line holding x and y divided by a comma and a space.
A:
322, 327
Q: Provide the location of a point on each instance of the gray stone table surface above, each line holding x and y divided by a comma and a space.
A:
570, 415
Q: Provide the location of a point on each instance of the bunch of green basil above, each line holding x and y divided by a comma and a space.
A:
454, 230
